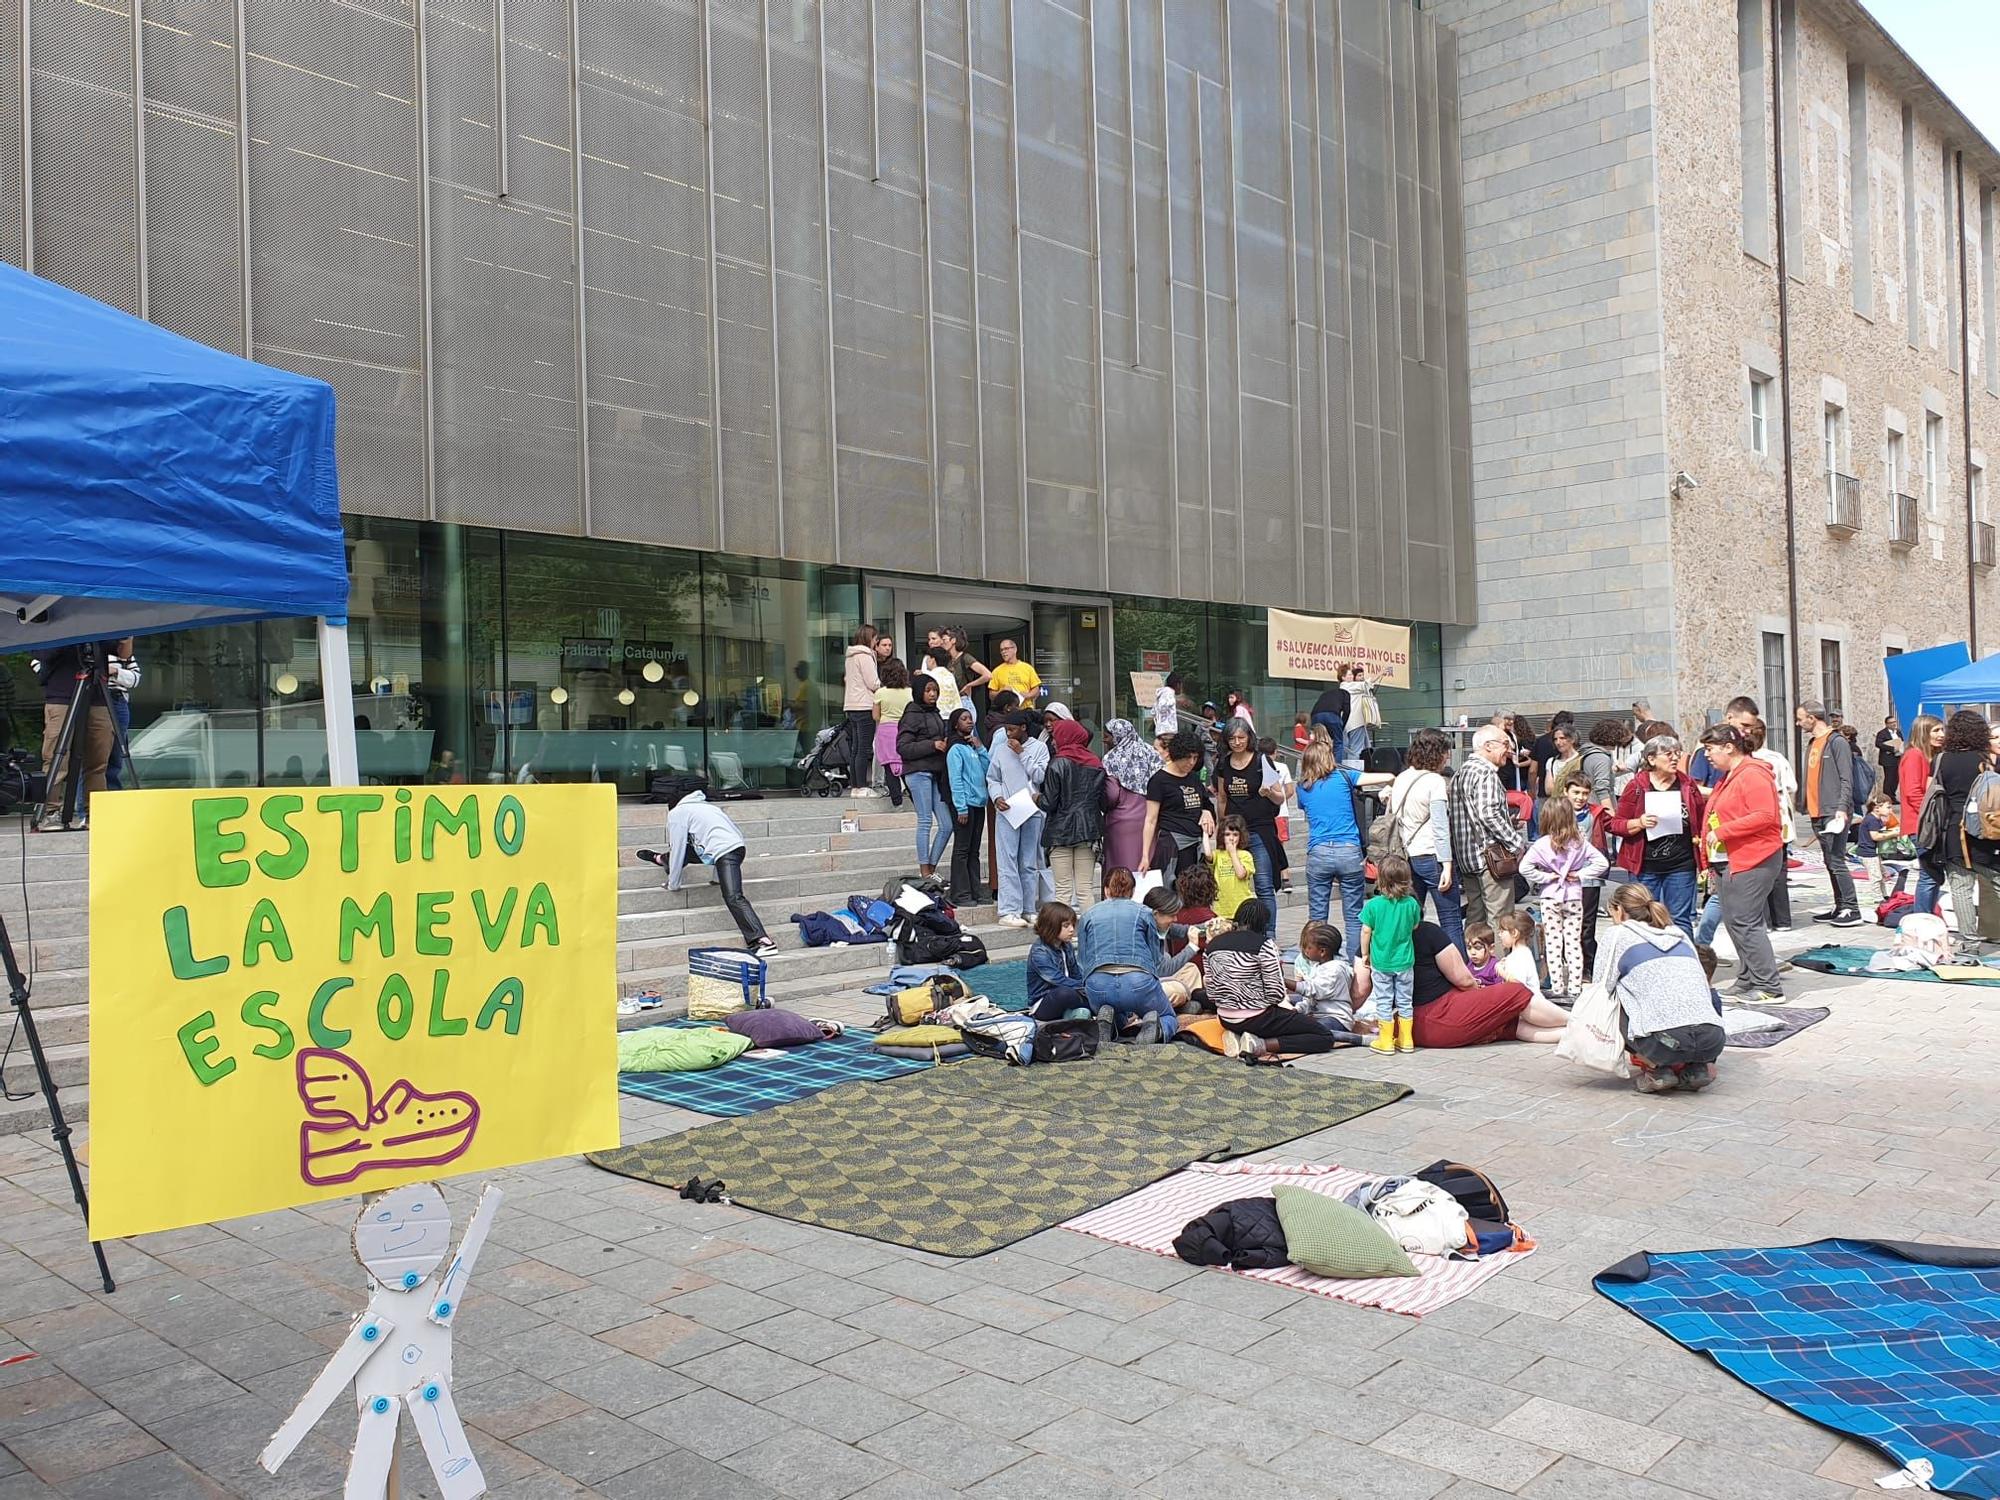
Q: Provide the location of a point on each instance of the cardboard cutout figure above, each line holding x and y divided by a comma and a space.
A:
398, 1354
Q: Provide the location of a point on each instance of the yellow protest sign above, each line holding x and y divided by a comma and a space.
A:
1318, 646
301, 995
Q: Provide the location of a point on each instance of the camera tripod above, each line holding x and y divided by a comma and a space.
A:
91, 693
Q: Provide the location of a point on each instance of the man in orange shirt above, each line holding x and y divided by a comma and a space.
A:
1744, 822
1828, 785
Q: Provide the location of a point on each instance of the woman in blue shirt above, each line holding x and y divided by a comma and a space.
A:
965, 769
1333, 844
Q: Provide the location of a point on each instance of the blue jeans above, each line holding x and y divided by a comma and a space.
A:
934, 819
1130, 993
1711, 914
1018, 853
1357, 745
1263, 878
1927, 888
1675, 891
1396, 995
121, 716
1326, 863
1450, 906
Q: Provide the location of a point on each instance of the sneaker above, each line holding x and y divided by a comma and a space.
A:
1011, 921
650, 856
1697, 1076
1232, 1043
1107, 1025
1654, 1081
637, 1005
1826, 916
765, 948
1847, 918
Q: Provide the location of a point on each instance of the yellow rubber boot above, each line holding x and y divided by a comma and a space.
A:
1385, 1036
1406, 1034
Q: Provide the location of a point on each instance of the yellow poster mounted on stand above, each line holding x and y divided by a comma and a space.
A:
1319, 646
302, 995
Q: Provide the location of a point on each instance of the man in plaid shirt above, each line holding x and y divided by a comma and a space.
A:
1480, 817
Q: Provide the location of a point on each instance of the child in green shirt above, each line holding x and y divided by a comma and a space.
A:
1388, 929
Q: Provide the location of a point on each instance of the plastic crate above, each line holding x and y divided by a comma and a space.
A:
722, 981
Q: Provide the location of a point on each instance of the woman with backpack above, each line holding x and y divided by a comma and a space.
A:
1417, 815
1073, 800
1913, 778
1971, 860
921, 742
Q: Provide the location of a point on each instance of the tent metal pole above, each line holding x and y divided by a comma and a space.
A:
343, 765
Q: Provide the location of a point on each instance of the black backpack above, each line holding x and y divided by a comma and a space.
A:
932, 937
1065, 1041
1473, 1190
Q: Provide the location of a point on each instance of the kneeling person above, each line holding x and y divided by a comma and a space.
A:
1653, 970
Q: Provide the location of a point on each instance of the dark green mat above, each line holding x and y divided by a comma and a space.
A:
964, 1159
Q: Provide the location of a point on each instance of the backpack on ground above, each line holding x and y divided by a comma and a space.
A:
1982, 807
933, 937
1065, 1041
913, 1006
1008, 1037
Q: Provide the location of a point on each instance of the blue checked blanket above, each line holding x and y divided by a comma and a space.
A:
748, 1084
1895, 1344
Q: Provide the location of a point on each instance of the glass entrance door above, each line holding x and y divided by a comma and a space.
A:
1069, 655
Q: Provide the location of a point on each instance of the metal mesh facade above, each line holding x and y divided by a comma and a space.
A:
1161, 299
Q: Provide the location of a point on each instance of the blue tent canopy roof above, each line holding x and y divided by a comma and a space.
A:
1977, 683
150, 482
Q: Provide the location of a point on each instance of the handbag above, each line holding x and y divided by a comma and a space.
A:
1594, 1036
1501, 862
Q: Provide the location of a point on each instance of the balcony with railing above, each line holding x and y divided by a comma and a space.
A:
1843, 504
1982, 543
1903, 522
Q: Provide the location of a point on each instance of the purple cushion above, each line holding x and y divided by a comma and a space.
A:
774, 1028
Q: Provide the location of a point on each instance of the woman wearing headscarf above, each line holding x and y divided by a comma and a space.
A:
920, 740
1129, 763
1073, 799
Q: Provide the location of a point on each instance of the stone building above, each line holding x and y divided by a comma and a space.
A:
1628, 369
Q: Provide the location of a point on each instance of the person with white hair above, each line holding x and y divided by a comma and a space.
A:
1484, 834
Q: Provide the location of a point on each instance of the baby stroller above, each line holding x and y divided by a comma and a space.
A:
830, 760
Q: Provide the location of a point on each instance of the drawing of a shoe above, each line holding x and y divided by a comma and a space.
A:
348, 1130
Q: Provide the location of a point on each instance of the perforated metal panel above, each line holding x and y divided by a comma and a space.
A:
85, 205
13, 213
194, 250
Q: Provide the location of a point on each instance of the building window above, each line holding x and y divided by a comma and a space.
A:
1829, 675
1752, 94
1760, 414
1892, 464
1933, 461
1777, 700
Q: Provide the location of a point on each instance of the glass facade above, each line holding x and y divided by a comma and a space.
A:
486, 655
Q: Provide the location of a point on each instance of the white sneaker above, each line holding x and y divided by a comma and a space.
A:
1013, 921
865, 791
765, 949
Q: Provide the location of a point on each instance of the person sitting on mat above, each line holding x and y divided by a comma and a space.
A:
1246, 984
697, 827
1055, 980
1120, 950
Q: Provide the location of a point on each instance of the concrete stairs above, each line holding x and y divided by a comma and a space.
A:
800, 860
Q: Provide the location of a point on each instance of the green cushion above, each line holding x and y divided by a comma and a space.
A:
674, 1049
1329, 1238
918, 1036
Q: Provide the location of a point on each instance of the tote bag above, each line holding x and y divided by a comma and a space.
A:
1594, 1037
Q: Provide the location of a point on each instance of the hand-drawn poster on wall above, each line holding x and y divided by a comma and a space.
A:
1319, 646
300, 995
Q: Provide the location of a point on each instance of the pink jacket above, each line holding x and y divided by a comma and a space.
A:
1557, 877
861, 679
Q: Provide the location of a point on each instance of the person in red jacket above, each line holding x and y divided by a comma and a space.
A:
1744, 822
1669, 865
1913, 776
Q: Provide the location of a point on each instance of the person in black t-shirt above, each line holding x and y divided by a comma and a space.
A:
1179, 811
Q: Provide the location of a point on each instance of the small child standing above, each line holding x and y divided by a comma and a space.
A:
1517, 950
1388, 946
1479, 955
1576, 787
1323, 981
1235, 866
1556, 865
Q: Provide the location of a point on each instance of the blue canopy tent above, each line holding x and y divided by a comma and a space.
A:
1977, 683
151, 483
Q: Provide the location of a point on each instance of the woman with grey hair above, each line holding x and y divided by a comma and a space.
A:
1659, 817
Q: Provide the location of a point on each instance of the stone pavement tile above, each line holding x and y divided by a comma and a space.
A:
1126, 1452
1674, 1368
837, 1255
1041, 1477
762, 1232
666, 1338
550, 1349
809, 1465
1457, 1352
747, 1372
527, 1280
488, 1319
1086, 1333
1631, 1396
1064, 1247
1204, 1421
1470, 1452
1237, 1295
1774, 1435
1570, 1339
616, 1223
1855, 1463
905, 1276
840, 1408
753, 1270
24, 1486
591, 1446
68, 1450
514, 1403
159, 1476
708, 1423
829, 1296
1028, 1273
991, 1404
652, 1280
909, 1322
1210, 1327
1002, 1307
1007, 1355
1211, 1475
1117, 1391
1578, 1479
257, 1351
624, 1384
592, 1309
681, 1476
223, 1441
1202, 1369
1328, 1465
1129, 1267
166, 1391
1295, 1352
132, 1352
902, 1485
1093, 1294
1591, 1435
38, 1294
1469, 1489
584, 1254
724, 1307
69, 1327
894, 1368
42, 1401
1327, 1407
805, 1336
1727, 1474
1417, 1385
1330, 1320
943, 1450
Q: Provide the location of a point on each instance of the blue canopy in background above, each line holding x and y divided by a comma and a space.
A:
1977, 683
150, 482
1909, 673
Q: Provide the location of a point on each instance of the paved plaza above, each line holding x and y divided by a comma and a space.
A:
619, 1341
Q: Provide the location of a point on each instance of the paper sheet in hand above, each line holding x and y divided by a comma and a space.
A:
1144, 881
1019, 809
1668, 808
